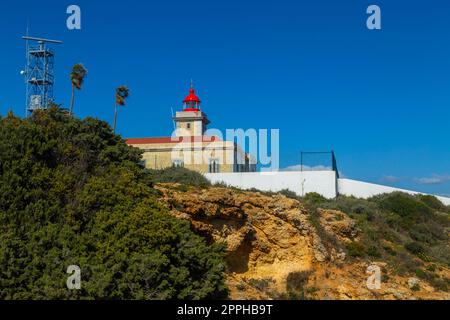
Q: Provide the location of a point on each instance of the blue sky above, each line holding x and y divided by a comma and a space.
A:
380, 99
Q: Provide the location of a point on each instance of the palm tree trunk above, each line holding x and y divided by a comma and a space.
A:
73, 100
115, 118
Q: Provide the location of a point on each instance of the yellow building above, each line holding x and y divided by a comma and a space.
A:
189, 147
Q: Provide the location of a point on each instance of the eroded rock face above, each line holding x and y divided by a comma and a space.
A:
266, 237
272, 246
339, 224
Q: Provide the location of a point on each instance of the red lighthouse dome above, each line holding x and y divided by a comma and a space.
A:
191, 103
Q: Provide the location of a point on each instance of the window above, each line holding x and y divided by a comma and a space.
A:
214, 166
188, 126
178, 163
143, 163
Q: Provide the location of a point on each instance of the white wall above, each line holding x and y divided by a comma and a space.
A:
366, 190
322, 182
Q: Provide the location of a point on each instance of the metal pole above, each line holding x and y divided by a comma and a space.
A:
301, 160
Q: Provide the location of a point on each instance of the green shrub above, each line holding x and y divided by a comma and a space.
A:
241, 286
179, 175
390, 250
440, 284
182, 188
397, 218
428, 232
431, 268
314, 198
221, 185
431, 201
73, 193
359, 209
373, 252
424, 275
421, 274
404, 205
290, 194
296, 285
260, 284
435, 281
415, 248
415, 287
404, 263
328, 240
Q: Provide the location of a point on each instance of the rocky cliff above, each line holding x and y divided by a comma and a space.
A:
277, 251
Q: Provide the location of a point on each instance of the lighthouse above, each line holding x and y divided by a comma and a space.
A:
191, 121
191, 147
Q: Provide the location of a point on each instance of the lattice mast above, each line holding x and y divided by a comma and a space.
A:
39, 73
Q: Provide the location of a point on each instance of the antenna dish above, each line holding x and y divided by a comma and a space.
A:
41, 40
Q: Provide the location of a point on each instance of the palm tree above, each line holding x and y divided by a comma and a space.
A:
79, 72
122, 94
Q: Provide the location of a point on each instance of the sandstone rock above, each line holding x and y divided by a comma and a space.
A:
398, 295
413, 282
339, 224
341, 256
271, 237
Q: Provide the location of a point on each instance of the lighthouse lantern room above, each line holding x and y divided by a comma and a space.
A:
191, 121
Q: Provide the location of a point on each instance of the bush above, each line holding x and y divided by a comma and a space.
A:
440, 284
179, 175
429, 233
390, 250
415, 287
431, 268
432, 202
328, 240
359, 209
260, 284
397, 218
296, 284
289, 194
404, 205
373, 252
356, 249
314, 198
73, 193
297, 280
415, 248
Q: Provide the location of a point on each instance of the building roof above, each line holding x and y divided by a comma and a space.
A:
160, 140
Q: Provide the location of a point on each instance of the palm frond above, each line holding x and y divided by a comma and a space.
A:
79, 72
122, 93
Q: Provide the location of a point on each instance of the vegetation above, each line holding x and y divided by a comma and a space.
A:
73, 193
356, 249
179, 175
296, 285
79, 72
409, 231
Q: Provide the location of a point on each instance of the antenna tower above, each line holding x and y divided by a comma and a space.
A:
39, 74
